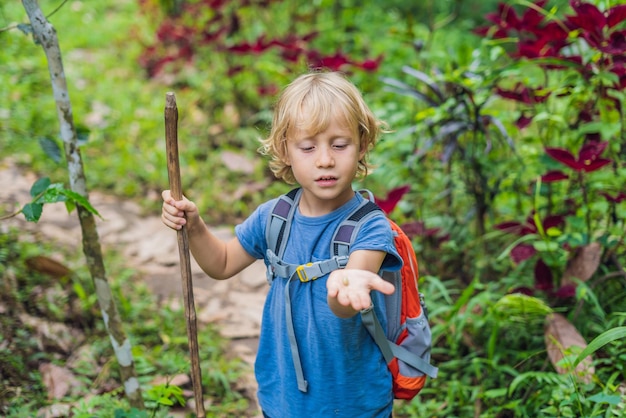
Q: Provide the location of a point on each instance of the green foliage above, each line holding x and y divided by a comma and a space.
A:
491, 353
165, 395
19, 352
44, 192
601, 340
158, 332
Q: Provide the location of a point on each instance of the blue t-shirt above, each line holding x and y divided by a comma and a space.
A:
346, 373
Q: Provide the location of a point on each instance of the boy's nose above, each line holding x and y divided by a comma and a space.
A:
325, 158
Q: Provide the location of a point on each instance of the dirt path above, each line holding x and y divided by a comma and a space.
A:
234, 305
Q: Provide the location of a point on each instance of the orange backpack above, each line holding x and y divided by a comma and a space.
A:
407, 341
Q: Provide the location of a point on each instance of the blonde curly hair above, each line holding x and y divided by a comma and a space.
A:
322, 96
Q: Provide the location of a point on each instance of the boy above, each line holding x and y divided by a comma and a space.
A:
321, 134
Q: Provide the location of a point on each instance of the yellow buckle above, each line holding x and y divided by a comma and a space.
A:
302, 274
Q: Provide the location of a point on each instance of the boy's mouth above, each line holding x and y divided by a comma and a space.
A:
326, 180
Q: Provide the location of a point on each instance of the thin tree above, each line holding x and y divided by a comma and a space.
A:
45, 35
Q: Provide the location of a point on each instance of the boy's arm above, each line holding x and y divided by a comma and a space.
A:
349, 289
219, 259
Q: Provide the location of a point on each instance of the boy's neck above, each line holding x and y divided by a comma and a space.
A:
313, 206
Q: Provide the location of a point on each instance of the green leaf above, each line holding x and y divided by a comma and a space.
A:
82, 134
604, 398
517, 307
39, 186
51, 148
542, 378
554, 232
545, 246
53, 194
80, 200
27, 29
498, 393
70, 205
600, 341
165, 401
32, 211
80, 291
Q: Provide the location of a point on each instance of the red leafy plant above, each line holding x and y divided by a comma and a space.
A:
565, 74
216, 27
414, 228
589, 41
581, 55
534, 227
588, 160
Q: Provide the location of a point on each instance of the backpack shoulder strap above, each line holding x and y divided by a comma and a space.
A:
279, 225
279, 221
348, 230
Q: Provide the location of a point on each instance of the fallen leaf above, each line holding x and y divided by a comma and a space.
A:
560, 336
58, 380
583, 265
53, 336
48, 266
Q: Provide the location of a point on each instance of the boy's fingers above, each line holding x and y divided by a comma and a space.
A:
383, 286
361, 301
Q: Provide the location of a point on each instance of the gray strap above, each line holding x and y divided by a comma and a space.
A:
279, 224
276, 267
377, 332
391, 349
295, 354
413, 360
310, 271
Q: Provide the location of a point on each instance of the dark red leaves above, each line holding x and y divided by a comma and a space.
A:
523, 121
619, 198
523, 94
616, 15
543, 277
549, 40
552, 176
596, 27
588, 159
522, 252
182, 37
389, 203
418, 229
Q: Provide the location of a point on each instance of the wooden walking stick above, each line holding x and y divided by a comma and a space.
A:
173, 171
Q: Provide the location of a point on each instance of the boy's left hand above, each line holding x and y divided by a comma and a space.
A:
351, 287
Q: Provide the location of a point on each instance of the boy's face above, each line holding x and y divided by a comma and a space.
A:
324, 164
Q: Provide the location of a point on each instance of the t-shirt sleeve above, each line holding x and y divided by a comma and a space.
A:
376, 235
251, 232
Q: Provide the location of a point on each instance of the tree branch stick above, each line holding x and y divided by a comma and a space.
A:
173, 171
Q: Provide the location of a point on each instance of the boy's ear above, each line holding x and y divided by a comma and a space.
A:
286, 159
362, 151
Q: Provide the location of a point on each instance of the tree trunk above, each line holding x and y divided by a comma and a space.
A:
45, 34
